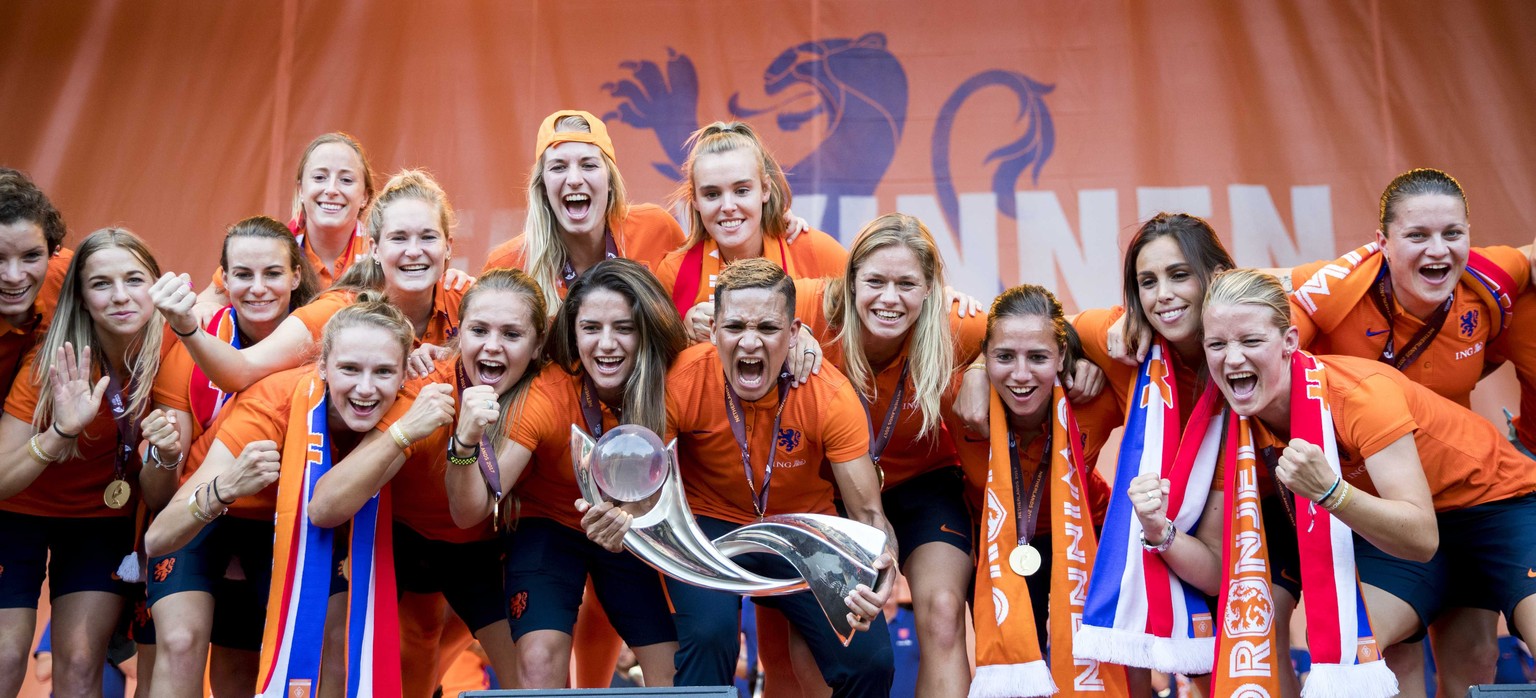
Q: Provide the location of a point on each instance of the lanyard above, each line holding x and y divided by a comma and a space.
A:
1381, 293
879, 440
610, 251
591, 412
733, 412
1026, 508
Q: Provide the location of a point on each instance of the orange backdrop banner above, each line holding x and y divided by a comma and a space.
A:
1031, 136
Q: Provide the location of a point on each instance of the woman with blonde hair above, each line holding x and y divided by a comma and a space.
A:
72, 479
578, 214
886, 322
482, 386
738, 202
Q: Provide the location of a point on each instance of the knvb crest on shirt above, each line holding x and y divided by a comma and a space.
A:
860, 86
1469, 322
788, 440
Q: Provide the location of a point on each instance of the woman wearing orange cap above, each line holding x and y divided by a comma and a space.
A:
566, 233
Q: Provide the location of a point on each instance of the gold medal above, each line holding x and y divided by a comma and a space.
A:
1024, 560
116, 494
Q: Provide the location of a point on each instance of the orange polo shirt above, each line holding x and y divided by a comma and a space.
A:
907, 454
823, 422
262, 412
1518, 344
443, 326
548, 485
356, 248
15, 342
646, 234
1464, 458
419, 488
1452, 364
813, 255
1093, 328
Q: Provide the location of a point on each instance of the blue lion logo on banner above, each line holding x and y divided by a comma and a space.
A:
861, 88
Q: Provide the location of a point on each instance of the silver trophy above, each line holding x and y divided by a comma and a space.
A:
629, 466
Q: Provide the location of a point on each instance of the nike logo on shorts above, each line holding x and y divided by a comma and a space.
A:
944, 528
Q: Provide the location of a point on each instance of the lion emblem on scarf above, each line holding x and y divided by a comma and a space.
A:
1250, 611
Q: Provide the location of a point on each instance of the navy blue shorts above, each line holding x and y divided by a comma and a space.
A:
1486, 559
75, 554
928, 508
137, 622
547, 565
468, 575
239, 605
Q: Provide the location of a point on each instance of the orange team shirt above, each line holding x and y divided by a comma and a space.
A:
419, 488
548, 488
646, 234
1453, 362
15, 342
443, 326
1518, 344
813, 255
1464, 458
173, 384
908, 454
328, 274
259, 413
70, 488
1093, 328
823, 422
1095, 420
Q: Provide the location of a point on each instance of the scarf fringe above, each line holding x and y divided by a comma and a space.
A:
1368, 680
1026, 680
1190, 655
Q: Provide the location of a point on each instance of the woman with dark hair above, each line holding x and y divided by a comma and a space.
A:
77, 522
1042, 500
1423, 300
266, 276
612, 342
1168, 266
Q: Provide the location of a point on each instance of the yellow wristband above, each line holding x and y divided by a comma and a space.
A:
398, 434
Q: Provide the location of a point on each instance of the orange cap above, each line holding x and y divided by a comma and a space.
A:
598, 137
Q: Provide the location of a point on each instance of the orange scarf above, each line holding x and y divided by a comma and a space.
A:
1009, 661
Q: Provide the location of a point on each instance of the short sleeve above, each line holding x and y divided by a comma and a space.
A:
844, 426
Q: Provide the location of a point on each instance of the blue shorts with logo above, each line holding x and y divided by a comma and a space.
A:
929, 508
75, 554
204, 564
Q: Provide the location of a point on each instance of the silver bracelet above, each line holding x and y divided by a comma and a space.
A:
153, 455
1168, 533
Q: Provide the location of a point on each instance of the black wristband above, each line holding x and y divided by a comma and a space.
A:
61, 433
214, 484
179, 334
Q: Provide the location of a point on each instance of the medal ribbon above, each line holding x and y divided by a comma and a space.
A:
1025, 510
1381, 293
127, 430
591, 412
879, 440
739, 429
